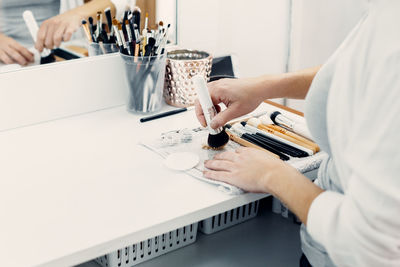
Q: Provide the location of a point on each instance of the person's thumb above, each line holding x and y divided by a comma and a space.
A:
223, 117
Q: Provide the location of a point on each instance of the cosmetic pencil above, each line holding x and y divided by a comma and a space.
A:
165, 114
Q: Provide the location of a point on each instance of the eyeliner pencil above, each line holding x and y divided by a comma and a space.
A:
164, 114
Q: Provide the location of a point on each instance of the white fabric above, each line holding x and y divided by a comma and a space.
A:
361, 226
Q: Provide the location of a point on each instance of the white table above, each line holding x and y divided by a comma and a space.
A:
76, 188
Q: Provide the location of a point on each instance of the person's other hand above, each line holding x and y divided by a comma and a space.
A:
58, 29
239, 96
246, 168
13, 52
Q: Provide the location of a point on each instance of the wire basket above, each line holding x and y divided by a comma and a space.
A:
229, 218
150, 248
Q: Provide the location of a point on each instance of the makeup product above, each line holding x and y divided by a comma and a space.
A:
257, 123
86, 30
136, 17
217, 138
146, 21
99, 23
46, 56
257, 141
305, 141
165, 114
255, 130
280, 146
236, 138
107, 12
287, 123
131, 43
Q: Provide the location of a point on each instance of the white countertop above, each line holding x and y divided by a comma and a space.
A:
76, 188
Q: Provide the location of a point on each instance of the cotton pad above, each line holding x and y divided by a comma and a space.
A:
181, 161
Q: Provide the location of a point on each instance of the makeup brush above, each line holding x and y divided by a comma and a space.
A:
107, 12
149, 46
117, 35
87, 31
217, 138
285, 122
146, 21
46, 56
136, 16
277, 138
122, 38
99, 23
257, 123
131, 43
236, 138
257, 141
91, 29
295, 136
281, 146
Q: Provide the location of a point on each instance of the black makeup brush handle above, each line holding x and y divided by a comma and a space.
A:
287, 149
251, 139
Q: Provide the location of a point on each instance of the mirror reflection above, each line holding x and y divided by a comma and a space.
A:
36, 32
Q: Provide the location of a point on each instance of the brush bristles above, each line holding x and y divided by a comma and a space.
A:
218, 141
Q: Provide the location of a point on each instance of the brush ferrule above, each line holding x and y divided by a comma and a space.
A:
284, 121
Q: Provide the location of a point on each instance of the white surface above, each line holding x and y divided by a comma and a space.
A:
181, 161
80, 187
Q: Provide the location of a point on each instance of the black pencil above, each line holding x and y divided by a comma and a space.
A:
164, 114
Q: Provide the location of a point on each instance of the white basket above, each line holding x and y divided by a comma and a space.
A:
229, 218
150, 248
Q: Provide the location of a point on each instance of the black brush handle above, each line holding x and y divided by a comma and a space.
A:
250, 138
287, 149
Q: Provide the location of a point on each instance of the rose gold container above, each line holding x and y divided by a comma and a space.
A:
182, 65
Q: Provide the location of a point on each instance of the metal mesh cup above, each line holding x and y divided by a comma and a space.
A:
145, 76
182, 65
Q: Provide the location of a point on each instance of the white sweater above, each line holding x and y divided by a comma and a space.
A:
357, 218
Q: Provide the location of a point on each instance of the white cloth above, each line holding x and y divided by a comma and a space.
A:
357, 218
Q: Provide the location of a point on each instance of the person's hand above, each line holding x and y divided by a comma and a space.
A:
240, 96
247, 168
58, 29
13, 52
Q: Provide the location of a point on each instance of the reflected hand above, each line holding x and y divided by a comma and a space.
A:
247, 168
13, 52
239, 96
58, 29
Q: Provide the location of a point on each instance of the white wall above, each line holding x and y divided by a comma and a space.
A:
255, 31
318, 28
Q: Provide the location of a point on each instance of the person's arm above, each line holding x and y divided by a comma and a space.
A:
242, 96
61, 27
13, 52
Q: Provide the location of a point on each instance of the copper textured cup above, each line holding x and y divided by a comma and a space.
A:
182, 65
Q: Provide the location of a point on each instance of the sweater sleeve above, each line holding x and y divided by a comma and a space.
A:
361, 227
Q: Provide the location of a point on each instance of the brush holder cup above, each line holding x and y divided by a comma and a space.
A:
145, 76
97, 49
182, 65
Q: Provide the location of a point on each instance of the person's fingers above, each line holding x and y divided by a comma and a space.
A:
199, 113
68, 33
48, 42
5, 58
16, 56
223, 117
217, 175
40, 38
219, 165
228, 155
28, 55
58, 35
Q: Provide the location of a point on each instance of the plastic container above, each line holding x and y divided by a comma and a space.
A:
145, 76
96, 49
229, 218
182, 65
150, 248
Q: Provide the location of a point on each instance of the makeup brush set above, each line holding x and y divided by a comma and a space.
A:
127, 35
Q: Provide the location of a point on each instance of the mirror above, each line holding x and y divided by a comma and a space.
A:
78, 46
